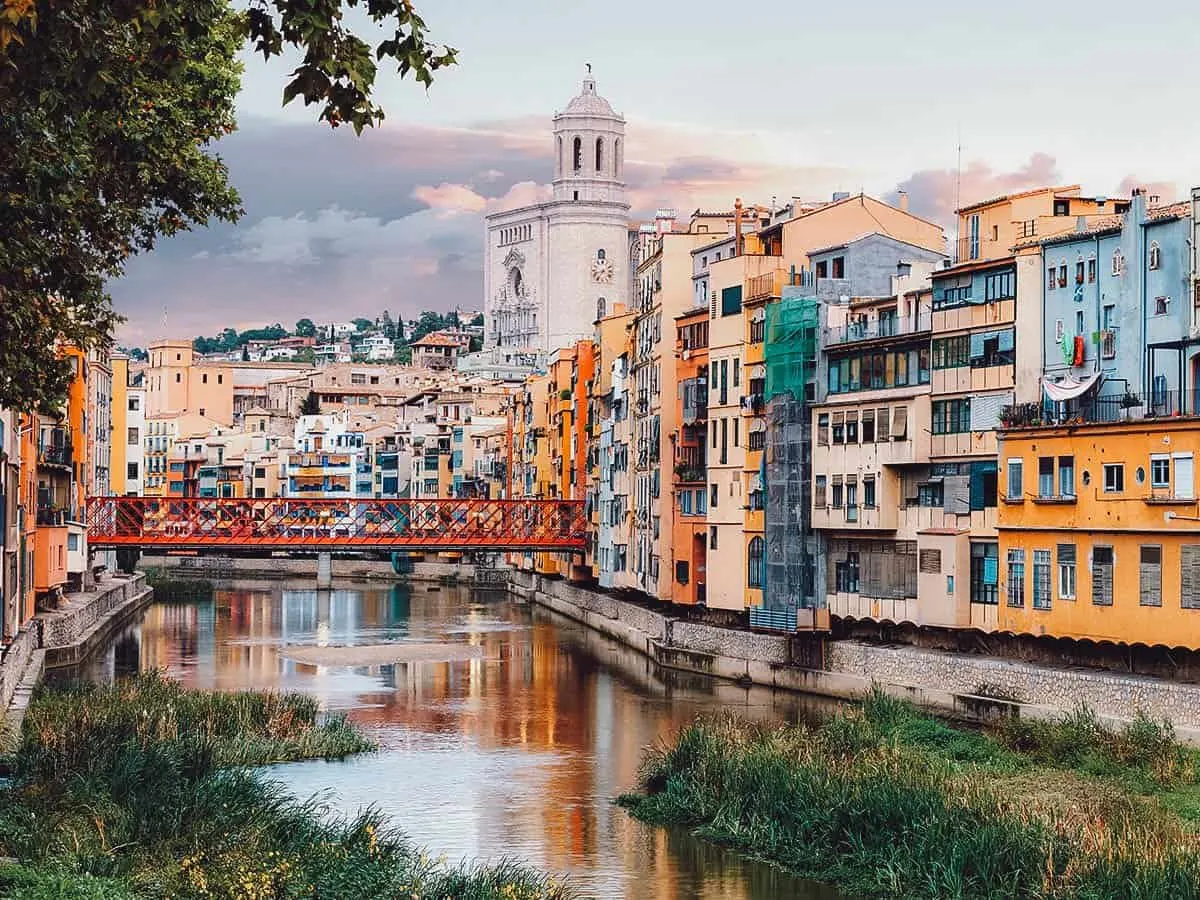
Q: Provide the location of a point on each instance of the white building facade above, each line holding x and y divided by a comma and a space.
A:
551, 269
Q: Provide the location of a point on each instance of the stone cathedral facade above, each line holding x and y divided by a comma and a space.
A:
551, 269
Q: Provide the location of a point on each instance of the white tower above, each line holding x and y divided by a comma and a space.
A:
589, 141
552, 268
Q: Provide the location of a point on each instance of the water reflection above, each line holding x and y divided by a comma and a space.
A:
520, 752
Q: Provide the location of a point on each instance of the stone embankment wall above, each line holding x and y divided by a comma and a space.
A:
977, 688
71, 631
14, 661
218, 567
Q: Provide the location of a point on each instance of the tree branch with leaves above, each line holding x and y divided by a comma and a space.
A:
108, 117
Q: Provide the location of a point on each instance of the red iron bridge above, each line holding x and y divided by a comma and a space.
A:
201, 523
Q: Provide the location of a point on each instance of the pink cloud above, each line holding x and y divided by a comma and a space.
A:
1166, 191
450, 198
524, 193
934, 193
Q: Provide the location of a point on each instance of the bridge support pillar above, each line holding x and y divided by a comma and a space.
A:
324, 570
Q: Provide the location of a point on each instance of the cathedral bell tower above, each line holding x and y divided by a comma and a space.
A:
589, 144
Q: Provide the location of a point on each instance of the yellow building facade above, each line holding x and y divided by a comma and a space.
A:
1100, 532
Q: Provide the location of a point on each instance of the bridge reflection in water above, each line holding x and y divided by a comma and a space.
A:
196, 523
519, 753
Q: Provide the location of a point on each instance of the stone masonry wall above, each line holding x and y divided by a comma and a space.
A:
13, 663
1106, 693
972, 687
71, 622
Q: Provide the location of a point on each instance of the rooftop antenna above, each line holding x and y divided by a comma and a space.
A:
957, 192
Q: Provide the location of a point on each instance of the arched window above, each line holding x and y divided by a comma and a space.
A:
1118, 262
1155, 255
578, 156
600, 308
617, 158
600, 255
599, 156
754, 563
561, 161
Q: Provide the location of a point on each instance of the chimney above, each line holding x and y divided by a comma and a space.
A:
902, 200
737, 227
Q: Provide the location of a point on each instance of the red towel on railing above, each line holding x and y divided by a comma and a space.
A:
1078, 361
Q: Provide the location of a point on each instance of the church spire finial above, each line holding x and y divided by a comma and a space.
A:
589, 67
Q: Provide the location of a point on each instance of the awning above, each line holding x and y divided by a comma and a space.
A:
1068, 388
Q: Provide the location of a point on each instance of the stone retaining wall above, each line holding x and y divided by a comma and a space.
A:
14, 662
978, 688
78, 616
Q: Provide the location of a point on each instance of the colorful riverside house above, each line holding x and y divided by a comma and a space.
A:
1099, 524
613, 435
1100, 531
689, 485
980, 366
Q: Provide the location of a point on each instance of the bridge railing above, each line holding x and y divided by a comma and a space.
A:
297, 522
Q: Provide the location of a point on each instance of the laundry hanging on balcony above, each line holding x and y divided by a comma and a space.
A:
1069, 388
1079, 345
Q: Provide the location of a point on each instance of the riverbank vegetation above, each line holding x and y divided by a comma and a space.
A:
886, 801
142, 790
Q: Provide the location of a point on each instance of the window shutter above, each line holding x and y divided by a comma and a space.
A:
931, 562
1102, 576
900, 422
985, 410
1150, 577
882, 423
956, 494
1189, 565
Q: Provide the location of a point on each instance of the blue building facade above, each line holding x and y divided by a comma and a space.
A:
1117, 304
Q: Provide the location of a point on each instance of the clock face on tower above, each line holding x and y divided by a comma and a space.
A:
602, 271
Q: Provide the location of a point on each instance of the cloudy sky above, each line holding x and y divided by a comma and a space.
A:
776, 99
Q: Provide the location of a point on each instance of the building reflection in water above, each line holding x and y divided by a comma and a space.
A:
520, 752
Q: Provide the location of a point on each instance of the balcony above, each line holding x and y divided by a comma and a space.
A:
55, 454
51, 517
695, 400
1127, 407
770, 284
753, 404
889, 327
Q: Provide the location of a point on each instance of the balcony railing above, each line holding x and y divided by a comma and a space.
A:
51, 516
1125, 407
770, 284
880, 328
55, 454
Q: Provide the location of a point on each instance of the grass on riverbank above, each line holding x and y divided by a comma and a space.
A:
886, 801
138, 791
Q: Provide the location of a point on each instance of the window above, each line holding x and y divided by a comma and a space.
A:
1189, 576
819, 498
823, 430
973, 237
131, 436
712, 537
1114, 478
1150, 575
1155, 255
1051, 279
1066, 571
846, 574
701, 502
1091, 270
951, 352
131, 471
737, 372
1016, 490
868, 491
823, 269
1041, 579
1062, 207
358, 378
1062, 275
599, 155
1185, 478
712, 500
731, 300
839, 428
1160, 471
1000, 285
1079, 321
868, 426
985, 564
220, 379
851, 500
883, 424
852, 427
839, 267
1160, 305
836, 492
685, 503
1016, 578
1118, 262
951, 416
1046, 477
204, 378
577, 155
681, 571
1066, 476
178, 377
1079, 272
754, 563
1102, 576
134, 404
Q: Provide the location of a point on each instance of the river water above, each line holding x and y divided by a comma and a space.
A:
519, 753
